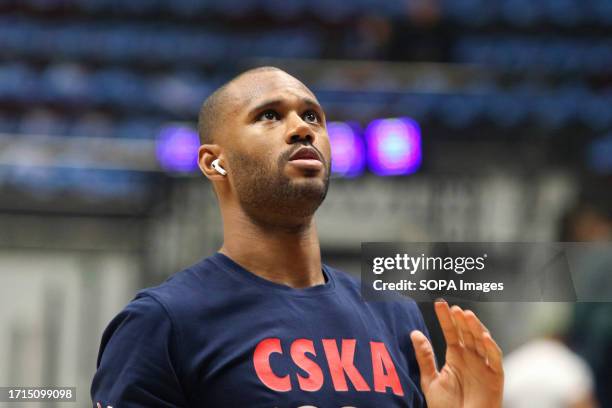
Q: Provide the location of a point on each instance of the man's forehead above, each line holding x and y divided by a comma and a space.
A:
253, 88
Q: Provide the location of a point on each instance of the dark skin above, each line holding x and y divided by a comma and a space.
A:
268, 202
264, 133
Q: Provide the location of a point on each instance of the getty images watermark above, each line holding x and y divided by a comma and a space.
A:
413, 264
557, 271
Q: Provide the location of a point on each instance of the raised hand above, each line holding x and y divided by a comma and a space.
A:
473, 376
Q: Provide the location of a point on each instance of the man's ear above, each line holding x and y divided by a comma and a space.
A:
207, 153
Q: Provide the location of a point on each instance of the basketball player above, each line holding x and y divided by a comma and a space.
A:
263, 322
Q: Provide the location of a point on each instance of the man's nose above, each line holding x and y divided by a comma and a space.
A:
298, 130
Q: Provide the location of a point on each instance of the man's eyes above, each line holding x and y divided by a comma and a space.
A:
270, 114
311, 116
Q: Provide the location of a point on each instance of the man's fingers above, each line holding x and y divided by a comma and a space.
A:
478, 330
476, 321
425, 357
464, 328
465, 333
494, 353
446, 323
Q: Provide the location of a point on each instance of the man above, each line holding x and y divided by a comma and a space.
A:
263, 323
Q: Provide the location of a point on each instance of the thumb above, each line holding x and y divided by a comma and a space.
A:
425, 358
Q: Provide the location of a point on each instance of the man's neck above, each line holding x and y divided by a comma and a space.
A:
287, 256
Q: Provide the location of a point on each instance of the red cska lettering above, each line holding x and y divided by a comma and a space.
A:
340, 362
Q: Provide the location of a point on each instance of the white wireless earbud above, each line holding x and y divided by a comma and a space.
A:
215, 165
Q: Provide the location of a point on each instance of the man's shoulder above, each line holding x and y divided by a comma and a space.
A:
342, 278
188, 288
395, 305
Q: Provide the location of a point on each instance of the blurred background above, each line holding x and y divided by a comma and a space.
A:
450, 120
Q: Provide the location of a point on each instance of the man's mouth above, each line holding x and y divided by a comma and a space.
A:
307, 158
305, 153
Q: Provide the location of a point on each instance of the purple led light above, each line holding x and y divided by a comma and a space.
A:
177, 148
348, 150
394, 146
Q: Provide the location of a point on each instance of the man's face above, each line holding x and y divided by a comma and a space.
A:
272, 116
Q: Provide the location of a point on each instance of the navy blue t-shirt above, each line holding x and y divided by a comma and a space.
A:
217, 335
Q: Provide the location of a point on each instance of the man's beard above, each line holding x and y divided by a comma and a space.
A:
268, 196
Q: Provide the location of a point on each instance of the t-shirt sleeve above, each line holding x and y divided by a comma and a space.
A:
136, 364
